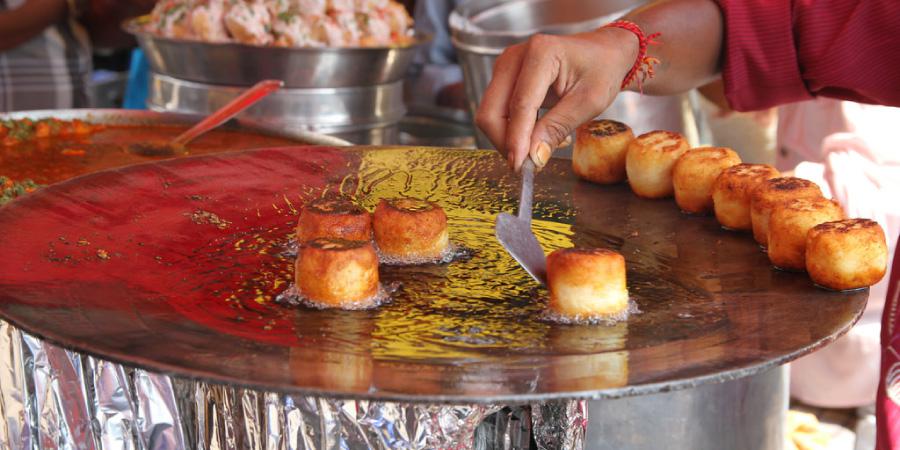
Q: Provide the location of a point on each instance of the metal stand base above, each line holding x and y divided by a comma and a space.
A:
48, 394
744, 414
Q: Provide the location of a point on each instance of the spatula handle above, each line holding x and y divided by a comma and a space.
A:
231, 109
527, 194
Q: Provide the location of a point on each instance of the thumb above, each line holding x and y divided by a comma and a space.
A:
554, 129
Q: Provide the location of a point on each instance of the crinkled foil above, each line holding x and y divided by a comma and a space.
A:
559, 424
51, 398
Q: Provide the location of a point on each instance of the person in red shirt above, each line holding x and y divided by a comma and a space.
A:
768, 52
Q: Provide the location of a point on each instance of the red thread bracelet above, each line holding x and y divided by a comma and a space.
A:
643, 63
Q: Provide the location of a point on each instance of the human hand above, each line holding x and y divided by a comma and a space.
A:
576, 76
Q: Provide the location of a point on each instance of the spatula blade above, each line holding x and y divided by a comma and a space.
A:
517, 238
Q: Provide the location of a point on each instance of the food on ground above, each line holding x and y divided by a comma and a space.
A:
334, 217
732, 190
337, 272
284, 23
789, 224
649, 162
586, 283
695, 173
846, 254
772, 193
410, 229
599, 153
804, 432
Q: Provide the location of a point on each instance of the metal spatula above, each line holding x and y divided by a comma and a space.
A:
514, 232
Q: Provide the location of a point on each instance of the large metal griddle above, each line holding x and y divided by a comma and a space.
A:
173, 266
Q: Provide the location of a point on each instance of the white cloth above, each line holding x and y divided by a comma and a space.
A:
851, 151
645, 113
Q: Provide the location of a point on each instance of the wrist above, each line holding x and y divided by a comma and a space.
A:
625, 48
643, 67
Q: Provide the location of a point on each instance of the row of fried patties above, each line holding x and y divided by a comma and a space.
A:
337, 262
800, 229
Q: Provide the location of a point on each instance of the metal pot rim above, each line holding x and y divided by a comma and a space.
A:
493, 41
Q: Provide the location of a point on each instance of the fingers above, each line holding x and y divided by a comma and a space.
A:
556, 126
540, 68
537, 74
491, 116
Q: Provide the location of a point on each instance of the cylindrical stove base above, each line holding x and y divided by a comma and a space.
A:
743, 414
48, 394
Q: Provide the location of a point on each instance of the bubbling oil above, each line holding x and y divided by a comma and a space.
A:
453, 252
478, 303
592, 319
292, 296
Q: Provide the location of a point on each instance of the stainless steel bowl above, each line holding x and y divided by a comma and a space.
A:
234, 64
363, 115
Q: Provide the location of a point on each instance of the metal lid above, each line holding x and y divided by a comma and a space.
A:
489, 26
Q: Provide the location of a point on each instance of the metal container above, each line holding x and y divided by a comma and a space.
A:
489, 26
743, 414
364, 114
482, 29
234, 64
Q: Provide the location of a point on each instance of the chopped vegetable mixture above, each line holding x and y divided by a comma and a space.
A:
10, 189
13, 132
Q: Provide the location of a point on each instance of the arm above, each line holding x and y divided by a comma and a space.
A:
19, 25
103, 19
580, 75
690, 49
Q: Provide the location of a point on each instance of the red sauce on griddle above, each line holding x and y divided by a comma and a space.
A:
48, 160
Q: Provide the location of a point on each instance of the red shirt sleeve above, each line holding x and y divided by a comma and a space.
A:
783, 51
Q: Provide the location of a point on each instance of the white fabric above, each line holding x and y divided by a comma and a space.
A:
645, 113
856, 159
